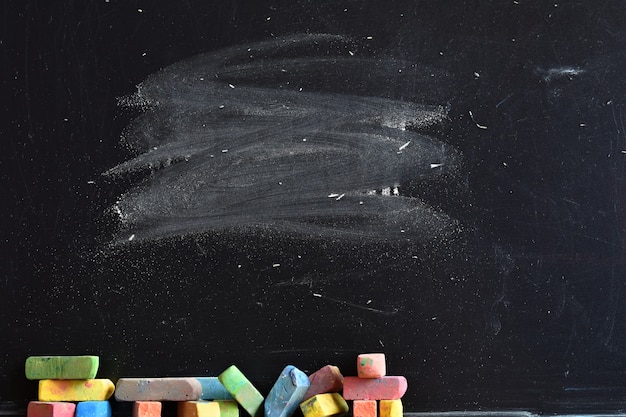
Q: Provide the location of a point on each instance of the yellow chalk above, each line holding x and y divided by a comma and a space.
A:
75, 389
198, 409
324, 405
390, 408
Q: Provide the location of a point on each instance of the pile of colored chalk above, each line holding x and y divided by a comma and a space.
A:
372, 385
66, 380
67, 387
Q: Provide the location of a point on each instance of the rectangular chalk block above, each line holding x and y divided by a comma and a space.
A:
50, 409
384, 388
287, 393
75, 389
212, 389
242, 390
61, 367
93, 409
198, 409
147, 409
364, 408
391, 408
324, 405
228, 408
326, 379
158, 389
371, 365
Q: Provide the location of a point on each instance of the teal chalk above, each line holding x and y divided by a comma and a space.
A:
93, 409
212, 389
287, 393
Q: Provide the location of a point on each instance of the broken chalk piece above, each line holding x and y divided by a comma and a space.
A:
147, 409
390, 408
198, 409
93, 409
324, 405
50, 409
212, 389
242, 390
61, 367
228, 408
75, 389
327, 379
158, 389
364, 408
371, 365
384, 388
287, 393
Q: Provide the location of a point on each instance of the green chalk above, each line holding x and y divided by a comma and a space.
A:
62, 367
242, 390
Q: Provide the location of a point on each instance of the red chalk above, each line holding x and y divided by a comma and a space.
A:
50, 409
371, 365
385, 388
147, 409
325, 380
364, 408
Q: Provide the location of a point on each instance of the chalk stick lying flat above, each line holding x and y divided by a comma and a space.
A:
75, 389
50, 409
198, 409
61, 367
384, 388
228, 408
324, 405
326, 379
287, 393
391, 408
158, 389
147, 409
93, 409
212, 389
364, 408
242, 390
371, 365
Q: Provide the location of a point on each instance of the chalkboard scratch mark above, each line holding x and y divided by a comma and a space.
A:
359, 306
475, 122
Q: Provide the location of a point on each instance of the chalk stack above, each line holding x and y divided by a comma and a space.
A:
373, 386
68, 387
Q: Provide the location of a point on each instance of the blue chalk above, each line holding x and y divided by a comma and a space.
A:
93, 409
287, 393
212, 389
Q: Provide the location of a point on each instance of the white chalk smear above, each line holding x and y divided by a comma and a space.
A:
336, 134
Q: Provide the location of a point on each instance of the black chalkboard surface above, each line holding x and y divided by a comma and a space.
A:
190, 185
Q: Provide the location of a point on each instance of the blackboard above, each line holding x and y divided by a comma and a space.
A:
440, 181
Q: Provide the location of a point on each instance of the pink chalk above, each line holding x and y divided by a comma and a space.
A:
325, 380
50, 409
384, 388
371, 365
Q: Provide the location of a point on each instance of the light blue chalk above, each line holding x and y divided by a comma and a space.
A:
93, 409
287, 393
212, 389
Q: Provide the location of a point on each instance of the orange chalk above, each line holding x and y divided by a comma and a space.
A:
147, 409
364, 408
